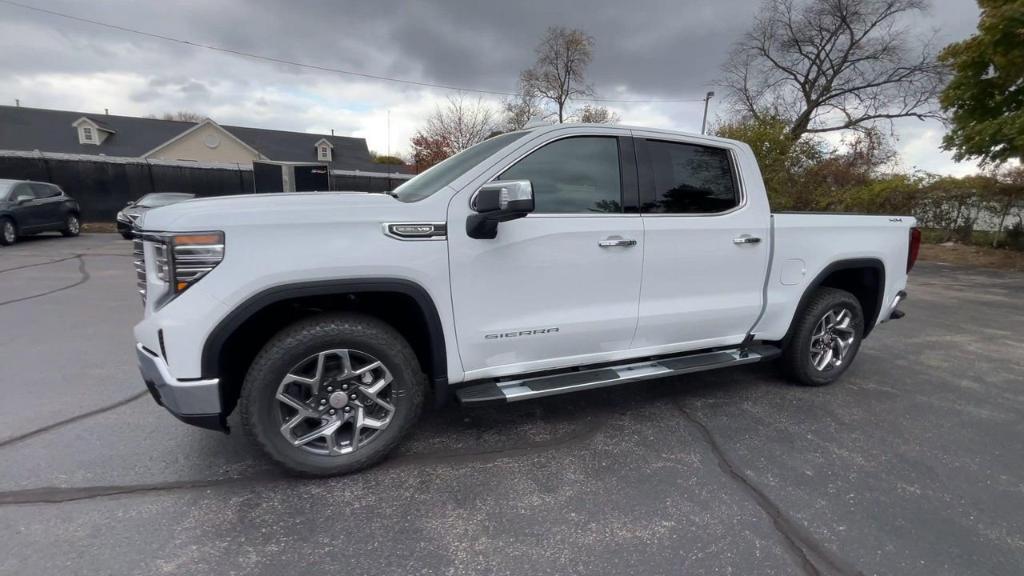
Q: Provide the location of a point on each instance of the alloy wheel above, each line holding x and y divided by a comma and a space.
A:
9, 233
831, 340
73, 225
335, 402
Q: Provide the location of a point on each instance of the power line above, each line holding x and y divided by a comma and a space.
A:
275, 60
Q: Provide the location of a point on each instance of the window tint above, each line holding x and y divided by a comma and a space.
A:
573, 175
44, 190
690, 179
23, 190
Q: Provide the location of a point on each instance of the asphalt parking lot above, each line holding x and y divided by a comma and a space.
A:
913, 464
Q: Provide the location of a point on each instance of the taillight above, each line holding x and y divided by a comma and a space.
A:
915, 247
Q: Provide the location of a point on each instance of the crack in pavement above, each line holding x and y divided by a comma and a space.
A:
13, 268
57, 495
798, 540
82, 280
25, 436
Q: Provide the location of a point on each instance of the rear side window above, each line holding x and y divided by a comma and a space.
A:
690, 179
45, 190
577, 175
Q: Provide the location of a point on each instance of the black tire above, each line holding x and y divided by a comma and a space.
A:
260, 411
127, 235
797, 356
8, 232
72, 226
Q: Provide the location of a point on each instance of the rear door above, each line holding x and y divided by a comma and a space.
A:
706, 244
560, 286
50, 204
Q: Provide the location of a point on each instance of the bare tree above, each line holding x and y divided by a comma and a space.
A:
183, 116
597, 115
827, 65
519, 110
451, 129
559, 74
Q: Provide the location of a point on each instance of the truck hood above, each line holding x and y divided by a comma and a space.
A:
222, 212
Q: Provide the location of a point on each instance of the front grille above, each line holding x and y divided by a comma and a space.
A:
140, 267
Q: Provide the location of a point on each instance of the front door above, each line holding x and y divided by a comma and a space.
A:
707, 244
31, 214
560, 286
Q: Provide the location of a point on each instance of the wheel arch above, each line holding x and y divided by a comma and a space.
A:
234, 342
862, 277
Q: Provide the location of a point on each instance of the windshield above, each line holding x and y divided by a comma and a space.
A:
446, 172
156, 200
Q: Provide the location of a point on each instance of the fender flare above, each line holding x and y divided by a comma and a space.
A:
217, 337
871, 317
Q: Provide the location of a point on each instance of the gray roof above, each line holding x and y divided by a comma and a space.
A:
51, 131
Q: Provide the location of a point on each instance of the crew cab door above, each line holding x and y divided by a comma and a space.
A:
560, 286
707, 236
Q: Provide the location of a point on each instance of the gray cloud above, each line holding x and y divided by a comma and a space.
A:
653, 49
660, 48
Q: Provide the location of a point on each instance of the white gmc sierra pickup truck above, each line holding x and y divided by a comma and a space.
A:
535, 263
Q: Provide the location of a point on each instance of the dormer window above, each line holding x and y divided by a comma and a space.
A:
91, 131
324, 150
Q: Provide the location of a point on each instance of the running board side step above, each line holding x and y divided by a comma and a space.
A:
527, 388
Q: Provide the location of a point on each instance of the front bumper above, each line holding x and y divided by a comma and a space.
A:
195, 402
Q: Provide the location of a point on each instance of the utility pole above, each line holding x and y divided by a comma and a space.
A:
704, 122
389, 133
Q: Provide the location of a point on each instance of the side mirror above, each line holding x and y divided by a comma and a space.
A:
23, 198
498, 201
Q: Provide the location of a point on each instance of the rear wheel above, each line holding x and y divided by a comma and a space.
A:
332, 394
826, 338
72, 226
8, 232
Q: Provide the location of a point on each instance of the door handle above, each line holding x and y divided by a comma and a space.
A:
746, 239
609, 242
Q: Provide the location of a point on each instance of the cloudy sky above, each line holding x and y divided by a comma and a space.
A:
645, 50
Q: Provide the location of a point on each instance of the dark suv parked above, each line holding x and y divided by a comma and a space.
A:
29, 207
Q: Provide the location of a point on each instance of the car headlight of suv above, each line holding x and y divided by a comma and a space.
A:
181, 260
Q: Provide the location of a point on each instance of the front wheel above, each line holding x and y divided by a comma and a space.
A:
826, 337
72, 227
332, 394
8, 233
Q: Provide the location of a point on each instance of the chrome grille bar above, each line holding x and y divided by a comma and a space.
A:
139, 257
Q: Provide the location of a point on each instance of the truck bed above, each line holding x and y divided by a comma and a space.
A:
803, 246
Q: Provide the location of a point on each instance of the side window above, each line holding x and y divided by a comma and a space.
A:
23, 190
44, 190
576, 175
691, 179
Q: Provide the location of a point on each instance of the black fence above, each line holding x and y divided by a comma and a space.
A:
104, 187
365, 183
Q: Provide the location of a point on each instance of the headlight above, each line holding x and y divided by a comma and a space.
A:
181, 260
194, 256
122, 217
